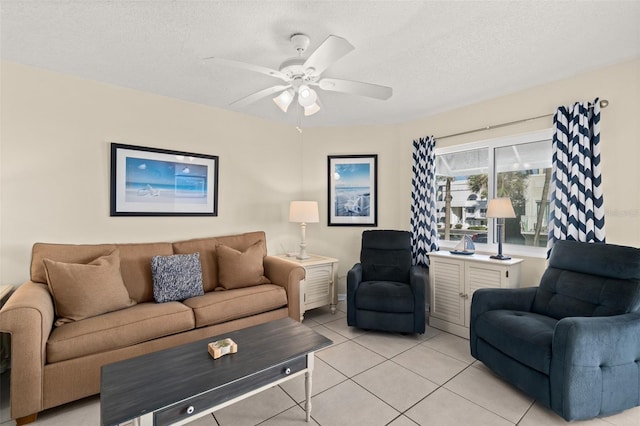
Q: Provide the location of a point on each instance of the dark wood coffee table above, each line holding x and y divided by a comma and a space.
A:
176, 385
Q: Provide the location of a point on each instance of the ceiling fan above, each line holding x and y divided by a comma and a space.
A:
301, 75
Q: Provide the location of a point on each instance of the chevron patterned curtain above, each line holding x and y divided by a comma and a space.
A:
576, 203
424, 228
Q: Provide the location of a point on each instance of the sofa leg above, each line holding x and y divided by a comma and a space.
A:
26, 419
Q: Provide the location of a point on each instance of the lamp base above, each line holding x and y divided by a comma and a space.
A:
500, 257
302, 254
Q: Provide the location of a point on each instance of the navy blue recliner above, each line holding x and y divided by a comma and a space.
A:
573, 343
385, 291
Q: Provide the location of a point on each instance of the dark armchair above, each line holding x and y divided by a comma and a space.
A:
385, 291
573, 343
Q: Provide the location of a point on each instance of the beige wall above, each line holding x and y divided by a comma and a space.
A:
620, 146
55, 133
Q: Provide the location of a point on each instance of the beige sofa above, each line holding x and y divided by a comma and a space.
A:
52, 365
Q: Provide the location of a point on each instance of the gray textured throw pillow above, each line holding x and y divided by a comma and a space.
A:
176, 277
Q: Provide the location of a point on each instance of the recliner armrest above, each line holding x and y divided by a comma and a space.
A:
419, 281
595, 359
491, 299
354, 278
419, 276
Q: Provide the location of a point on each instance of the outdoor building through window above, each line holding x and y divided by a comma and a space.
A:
467, 176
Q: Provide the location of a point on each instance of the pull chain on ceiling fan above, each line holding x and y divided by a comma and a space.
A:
301, 75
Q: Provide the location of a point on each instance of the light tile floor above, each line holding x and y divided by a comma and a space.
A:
372, 378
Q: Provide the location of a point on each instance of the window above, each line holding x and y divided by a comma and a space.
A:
468, 175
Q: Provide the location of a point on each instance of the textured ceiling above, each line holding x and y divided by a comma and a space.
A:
435, 55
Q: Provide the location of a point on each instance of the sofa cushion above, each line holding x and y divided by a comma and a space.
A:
86, 290
68, 253
238, 269
119, 329
176, 277
135, 265
219, 306
523, 336
384, 296
208, 256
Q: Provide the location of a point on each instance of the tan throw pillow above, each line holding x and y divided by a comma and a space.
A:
238, 269
82, 291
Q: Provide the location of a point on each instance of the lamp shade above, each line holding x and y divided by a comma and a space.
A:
304, 212
284, 99
500, 207
310, 110
306, 96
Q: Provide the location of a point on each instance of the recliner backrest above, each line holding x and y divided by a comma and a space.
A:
589, 279
386, 255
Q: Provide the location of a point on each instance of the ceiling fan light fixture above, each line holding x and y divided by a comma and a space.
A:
310, 110
306, 96
284, 99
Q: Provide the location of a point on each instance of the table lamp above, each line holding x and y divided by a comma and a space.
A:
500, 208
303, 212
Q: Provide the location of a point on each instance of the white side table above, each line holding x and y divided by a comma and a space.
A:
319, 286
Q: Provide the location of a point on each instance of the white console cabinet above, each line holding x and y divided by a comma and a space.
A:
453, 280
319, 286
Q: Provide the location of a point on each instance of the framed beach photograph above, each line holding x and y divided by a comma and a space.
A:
353, 190
160, 182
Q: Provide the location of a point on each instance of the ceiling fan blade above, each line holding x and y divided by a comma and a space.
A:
246, 66
332, 49
240, 103
356, 88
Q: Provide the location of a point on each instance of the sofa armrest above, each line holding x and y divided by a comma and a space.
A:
594, 365
354, 278
28, 316
491, 299
288, 276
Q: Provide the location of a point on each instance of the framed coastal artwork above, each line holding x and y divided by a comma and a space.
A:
160, 182
353, 190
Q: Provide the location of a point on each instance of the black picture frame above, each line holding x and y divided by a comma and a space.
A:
352, 190
160, 182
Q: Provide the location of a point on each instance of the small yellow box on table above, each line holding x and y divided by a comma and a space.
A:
222, 347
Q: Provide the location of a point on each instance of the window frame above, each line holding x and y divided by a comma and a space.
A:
493, 144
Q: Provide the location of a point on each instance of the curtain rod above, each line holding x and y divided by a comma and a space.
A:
603, 104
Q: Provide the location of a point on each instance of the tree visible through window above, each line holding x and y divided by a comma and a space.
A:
467, 177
